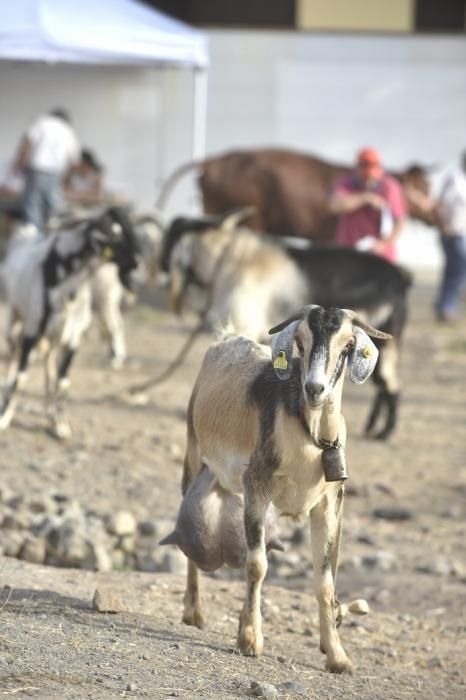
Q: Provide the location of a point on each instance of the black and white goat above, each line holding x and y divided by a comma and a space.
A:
268, 426
252, 281
48, 300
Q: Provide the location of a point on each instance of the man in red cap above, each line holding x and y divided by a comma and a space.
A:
371, 207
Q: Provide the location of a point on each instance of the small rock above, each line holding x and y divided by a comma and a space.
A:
127, 544
366, 539
12, 541
174, 562
393, 513
33, 550
263, 690
119, 560
293, 687
122, 523
148, 528
298, 536
105, 600
131, 687
98, 558
384, 488
438, 567
435, 662
385, 561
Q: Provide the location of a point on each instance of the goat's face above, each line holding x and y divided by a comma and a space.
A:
112, 237
193, 264
325, 339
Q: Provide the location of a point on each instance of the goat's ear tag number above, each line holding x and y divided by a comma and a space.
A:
280, 361
107, 252
367, 352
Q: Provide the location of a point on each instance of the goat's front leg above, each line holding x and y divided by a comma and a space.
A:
192, 613
250, 639
16, 379
325, 538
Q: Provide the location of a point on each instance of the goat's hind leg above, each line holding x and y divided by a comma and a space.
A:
387, 398
325, 539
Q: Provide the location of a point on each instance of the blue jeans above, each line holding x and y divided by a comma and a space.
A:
43, 196
454, 274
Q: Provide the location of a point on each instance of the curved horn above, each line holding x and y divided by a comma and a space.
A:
370, 330
298, 316
231, 219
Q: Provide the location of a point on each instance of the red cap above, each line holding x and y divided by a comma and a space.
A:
369, 161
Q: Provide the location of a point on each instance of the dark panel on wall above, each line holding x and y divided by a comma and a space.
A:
440, 15
231, 13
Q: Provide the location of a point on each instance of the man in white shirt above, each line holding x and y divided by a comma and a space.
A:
47, 152
451, 211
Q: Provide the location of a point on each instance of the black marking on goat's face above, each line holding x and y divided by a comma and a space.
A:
324, 339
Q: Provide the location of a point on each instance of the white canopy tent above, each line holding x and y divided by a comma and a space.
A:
107, 32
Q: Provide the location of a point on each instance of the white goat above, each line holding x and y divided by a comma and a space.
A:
48, 300
269, 427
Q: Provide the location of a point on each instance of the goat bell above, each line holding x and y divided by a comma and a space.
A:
334, 464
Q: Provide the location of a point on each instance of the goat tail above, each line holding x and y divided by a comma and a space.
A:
169, 184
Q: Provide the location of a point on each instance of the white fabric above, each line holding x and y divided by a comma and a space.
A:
54, 146
96, 31
453, 203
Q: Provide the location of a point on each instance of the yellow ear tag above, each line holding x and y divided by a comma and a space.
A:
367, 351
107, 252
280, 361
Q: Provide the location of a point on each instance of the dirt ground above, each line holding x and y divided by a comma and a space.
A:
412, 571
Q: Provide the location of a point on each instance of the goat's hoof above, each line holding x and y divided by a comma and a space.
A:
193, 618
249, 642
339, 664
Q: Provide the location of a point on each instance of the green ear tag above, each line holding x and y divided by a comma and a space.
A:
367, 352
280, 361
107, 253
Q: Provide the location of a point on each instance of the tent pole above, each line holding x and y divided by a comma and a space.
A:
199, 113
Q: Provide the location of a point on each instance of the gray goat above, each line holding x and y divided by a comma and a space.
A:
268, 426
252, 281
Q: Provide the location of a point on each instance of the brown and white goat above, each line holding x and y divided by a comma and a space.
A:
268, 426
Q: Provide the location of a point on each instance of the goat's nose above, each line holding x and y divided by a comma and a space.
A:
314, 390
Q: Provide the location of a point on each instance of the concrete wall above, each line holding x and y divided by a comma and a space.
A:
138, 120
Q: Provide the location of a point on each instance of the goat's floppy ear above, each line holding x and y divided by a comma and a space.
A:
363, 357
282, 350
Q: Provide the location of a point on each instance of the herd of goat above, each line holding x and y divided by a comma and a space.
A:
275, 444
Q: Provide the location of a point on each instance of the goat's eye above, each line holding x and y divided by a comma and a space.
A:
300, 347
350, 345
